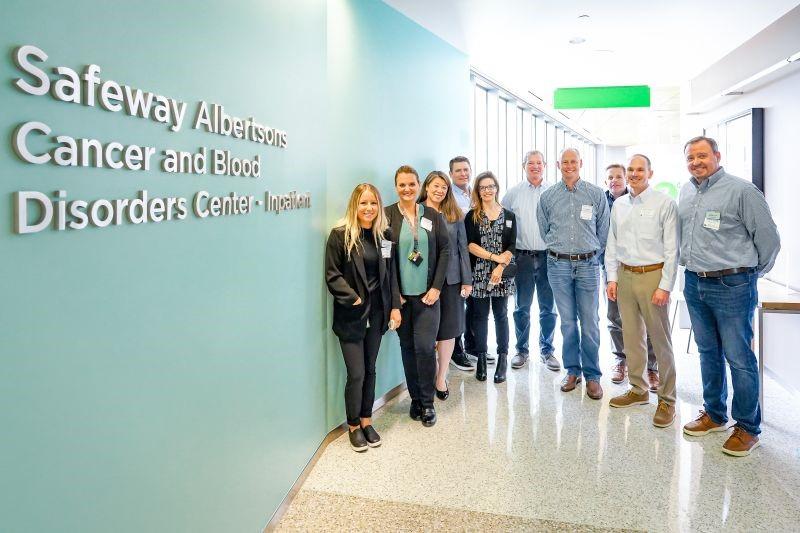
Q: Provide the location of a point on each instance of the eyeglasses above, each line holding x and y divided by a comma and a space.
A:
487, 188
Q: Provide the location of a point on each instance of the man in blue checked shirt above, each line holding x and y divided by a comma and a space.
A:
728, 240
573, 218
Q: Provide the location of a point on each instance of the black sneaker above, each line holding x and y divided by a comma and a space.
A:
491, 358
462, 362
358, 441
415, 412
373, 439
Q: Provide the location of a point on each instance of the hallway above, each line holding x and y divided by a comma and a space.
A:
524, 456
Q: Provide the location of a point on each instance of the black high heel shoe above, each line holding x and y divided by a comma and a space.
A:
480, 368
443, 394
500, 370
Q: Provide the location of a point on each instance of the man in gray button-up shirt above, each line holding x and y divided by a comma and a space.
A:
573, 218
728, 239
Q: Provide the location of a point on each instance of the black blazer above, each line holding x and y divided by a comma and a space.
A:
509, 233
347, 281
438, 257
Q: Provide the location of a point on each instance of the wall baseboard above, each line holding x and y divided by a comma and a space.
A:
332, 435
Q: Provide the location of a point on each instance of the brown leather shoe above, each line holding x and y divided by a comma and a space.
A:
702, 425
593, 389
655, 381
665, 415
619, 372
740, 443
629, 398
570, 382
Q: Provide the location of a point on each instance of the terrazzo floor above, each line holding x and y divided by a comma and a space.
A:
523, 456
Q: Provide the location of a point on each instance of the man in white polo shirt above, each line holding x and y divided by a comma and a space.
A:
641, 262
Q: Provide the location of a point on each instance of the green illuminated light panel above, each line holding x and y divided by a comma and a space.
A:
601, 97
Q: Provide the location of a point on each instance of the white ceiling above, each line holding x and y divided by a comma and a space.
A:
524, 45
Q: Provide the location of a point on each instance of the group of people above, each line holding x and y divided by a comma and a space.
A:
435, 263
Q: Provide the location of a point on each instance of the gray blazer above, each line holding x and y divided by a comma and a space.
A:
458, 269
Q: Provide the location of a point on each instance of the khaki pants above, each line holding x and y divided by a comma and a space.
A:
640, 318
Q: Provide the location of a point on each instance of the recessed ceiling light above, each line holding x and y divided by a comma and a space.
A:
577, 40
583, 16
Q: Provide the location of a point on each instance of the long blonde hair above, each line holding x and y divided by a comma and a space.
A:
477, 211
352, 229
448, 207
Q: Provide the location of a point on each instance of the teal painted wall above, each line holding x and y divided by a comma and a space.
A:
178, 376
397, 95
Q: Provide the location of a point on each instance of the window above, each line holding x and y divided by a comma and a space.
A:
480, 126
502, 142
540, 136
492, 131
552, 151
527, 141
505, 127
741, 139
512, 145
559, 140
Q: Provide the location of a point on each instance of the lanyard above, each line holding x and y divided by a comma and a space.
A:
412, 222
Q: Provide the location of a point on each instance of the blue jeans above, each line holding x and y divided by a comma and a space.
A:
532, 275
575, 287
721, 310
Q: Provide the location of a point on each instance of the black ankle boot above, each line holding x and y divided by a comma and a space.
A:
500, 369
480, 369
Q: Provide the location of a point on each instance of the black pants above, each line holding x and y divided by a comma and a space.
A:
359, 358
480, 322
469, 338
417, 334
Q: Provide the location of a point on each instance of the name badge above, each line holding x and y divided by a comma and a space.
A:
426, 224
712, 220
386, 249
509, 224
647, 213
586, 212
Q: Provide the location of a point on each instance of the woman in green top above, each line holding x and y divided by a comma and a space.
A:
422, 255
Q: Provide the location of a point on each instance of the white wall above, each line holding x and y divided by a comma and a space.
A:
607, 155
781, 183
668, 164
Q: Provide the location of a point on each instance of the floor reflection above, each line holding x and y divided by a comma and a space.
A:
524, 449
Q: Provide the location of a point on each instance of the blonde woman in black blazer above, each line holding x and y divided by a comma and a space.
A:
492, 238
360, 274
422, 255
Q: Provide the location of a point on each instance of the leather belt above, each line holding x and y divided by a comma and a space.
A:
531, 252
642, 269
572, 257
725, 272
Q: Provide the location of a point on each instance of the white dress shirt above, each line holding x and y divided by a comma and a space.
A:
644, 231
463, 198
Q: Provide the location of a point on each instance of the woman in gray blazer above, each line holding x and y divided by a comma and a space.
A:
437, 193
